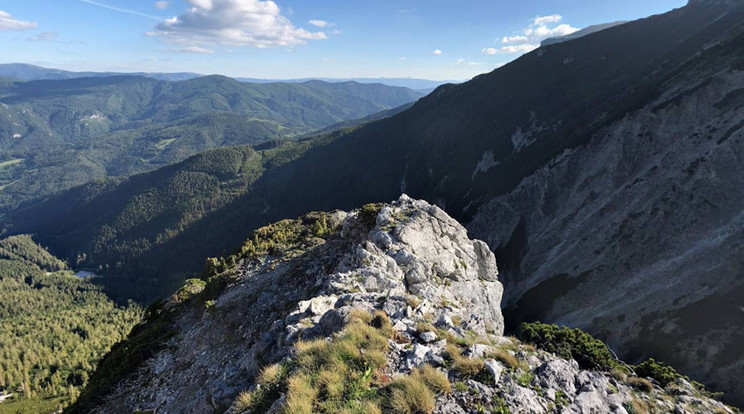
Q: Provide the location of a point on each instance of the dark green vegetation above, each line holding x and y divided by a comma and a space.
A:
99, 225
54, 327
126, 356
569, 343
55, 134
591, 353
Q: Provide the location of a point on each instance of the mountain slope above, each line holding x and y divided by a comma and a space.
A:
581, 33
605, 168
58, 134
389, 308
55, 327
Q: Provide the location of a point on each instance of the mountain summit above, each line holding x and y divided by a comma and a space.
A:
390, 308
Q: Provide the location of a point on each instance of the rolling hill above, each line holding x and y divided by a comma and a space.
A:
55, 134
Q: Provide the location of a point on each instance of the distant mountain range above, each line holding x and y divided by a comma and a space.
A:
55, 134
605, 172
22, 71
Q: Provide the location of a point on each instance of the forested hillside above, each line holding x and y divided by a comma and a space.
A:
54, 327
56, 134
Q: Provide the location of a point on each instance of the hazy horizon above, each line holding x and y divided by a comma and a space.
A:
288, 39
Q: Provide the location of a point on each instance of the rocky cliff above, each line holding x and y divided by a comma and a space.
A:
638, 235
390, 308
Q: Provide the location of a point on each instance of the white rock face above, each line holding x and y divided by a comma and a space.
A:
638, 234
414, 261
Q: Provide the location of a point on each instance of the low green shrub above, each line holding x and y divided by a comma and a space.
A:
569, 343
662, 373
368, 215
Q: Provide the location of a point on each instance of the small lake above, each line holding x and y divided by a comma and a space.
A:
84, 273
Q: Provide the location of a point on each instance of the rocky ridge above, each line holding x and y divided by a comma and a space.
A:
300, 286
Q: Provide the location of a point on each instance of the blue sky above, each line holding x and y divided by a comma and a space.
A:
433, 39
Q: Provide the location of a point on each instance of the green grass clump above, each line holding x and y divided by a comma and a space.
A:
368, 215
561, 400
525, 378
189, 289
345, 375
434, 379
569, 343
282, 241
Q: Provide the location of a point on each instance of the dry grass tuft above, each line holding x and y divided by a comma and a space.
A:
507, 358
463, 365
433, 378
270, 376
641, 384
409, 395
243, 402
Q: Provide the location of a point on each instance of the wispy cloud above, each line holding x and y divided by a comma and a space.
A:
254, 23
194, 49
120, 10
43, 37
468, 62
320, 23
8, 22
161, 5
437, 52
539, 29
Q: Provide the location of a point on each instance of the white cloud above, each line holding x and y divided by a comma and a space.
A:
161, 5
514, 39
539, 29
523, 48
437, 52
541, 20
543, 32
468, 62
8, 22
254, 23
320, 23
195, 49
43, 37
